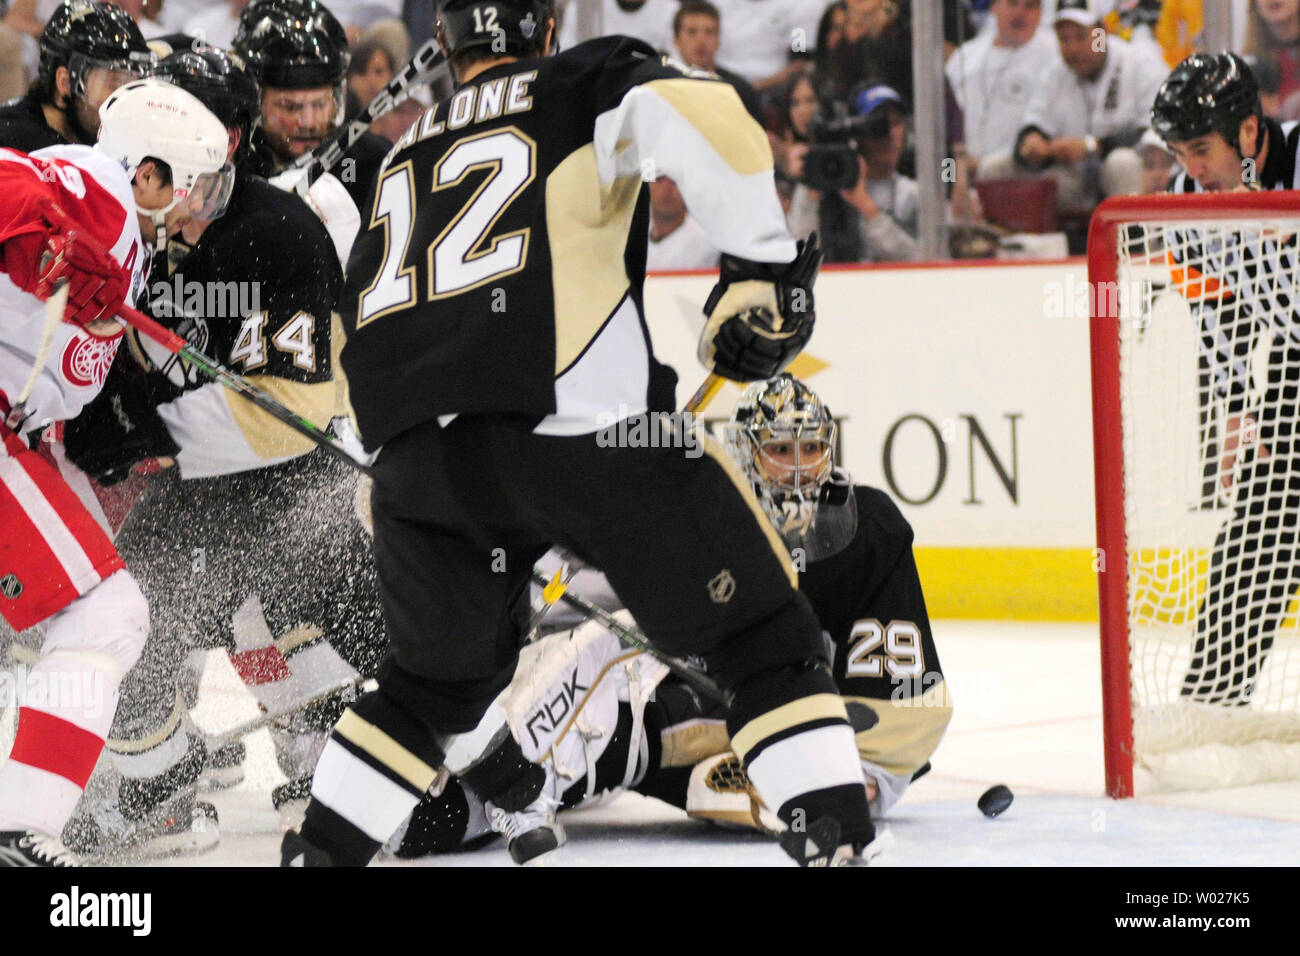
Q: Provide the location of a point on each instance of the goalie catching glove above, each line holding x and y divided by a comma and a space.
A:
37, 261
760, 315
121, 427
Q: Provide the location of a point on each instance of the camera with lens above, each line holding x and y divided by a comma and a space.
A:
831, 163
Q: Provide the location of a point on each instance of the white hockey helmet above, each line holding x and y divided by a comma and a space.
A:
153, 119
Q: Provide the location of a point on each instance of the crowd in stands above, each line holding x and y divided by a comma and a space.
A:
1046, 101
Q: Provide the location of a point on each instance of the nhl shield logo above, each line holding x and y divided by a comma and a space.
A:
722, 587
11, 587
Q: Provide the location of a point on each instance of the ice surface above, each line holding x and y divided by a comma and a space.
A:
1027, 714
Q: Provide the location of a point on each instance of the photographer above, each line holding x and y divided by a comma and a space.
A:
851, 190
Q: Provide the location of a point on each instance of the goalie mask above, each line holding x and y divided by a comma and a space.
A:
783, 438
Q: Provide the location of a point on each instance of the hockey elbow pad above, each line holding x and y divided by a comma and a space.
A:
760, 315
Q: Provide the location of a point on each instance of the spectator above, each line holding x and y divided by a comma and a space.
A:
1158, 164
418, 17
696, 32
648, 20
830, 35
767, 40
1086, 115
881, 207
876, 49
676, 239
1273, 37
216, 24
1134, 21
89, 50
798, 110
392, 35
358, 15
1269, 82
13, 71
371, 69
994, 75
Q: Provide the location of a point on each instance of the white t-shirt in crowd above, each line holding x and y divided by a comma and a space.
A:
1120, 98
215, 25
758, 36
652, 22
993, 86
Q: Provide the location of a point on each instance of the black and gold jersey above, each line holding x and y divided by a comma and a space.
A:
257, 293
261, 282
501, 266
869, 601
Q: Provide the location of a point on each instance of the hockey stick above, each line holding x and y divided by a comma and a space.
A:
632, 635
54, 308
425, 66
705, 394
215, 742
237, 383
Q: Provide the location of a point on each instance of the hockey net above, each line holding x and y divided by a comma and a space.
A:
1198, 579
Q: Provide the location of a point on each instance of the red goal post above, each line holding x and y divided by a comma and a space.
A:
1110, 240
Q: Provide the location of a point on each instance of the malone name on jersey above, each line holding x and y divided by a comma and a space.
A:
473, 104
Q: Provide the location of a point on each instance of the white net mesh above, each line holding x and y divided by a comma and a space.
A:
1210, 338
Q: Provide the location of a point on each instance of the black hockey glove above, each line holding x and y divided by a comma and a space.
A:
760, 315
121, 426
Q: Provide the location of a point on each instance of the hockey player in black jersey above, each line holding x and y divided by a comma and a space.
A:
1209, 113
87, 51
299, 54
494, 319
250, 541
601, 716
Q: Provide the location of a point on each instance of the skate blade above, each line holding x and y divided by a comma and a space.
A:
201, 837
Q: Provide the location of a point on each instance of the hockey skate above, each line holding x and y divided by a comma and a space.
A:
819, 845
29, 848
225, 768
290, 801
296, 850
130, 818
533, 831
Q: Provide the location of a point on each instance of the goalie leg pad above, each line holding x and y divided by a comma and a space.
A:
721, 791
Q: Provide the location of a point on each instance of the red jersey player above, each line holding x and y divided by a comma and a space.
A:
76, 214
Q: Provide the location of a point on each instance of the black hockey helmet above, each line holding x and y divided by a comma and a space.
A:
1206, 93
514, 27
293, 44
82, 35
220, 80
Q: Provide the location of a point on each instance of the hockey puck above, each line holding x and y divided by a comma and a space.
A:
995, 800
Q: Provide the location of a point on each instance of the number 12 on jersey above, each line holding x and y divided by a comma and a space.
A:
462, 257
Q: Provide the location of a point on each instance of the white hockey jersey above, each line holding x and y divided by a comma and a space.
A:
95, 193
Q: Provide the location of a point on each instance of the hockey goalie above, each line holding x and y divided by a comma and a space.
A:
603, 717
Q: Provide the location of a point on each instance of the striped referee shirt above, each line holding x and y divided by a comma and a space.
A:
1249, 281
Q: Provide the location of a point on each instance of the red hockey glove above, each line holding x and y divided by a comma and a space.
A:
38, 261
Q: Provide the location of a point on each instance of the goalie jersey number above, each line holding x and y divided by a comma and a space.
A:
464, 256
